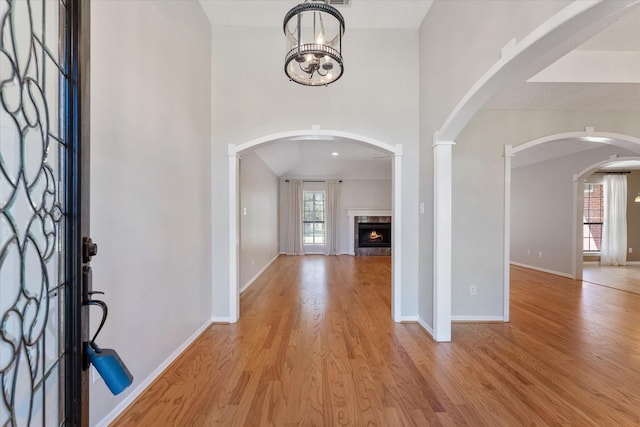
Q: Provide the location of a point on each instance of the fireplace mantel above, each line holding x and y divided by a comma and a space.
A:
353, 213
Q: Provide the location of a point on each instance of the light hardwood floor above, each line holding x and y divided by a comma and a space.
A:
625, 278
315, 346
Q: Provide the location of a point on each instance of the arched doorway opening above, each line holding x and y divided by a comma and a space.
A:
579, 179
589, 135
520, 60
395, 151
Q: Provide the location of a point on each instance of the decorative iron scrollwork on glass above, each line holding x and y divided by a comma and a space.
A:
32, 212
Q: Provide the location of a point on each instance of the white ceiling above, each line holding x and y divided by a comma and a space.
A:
359, 14
565, 147
551, 150
310, 159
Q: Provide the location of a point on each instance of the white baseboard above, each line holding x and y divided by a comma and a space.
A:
417, 319
341, 253
426, 327
151, 378
245, 287
478, 319
221, 320
598, 263
544, 270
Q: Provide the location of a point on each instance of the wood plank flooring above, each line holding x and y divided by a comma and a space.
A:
625, 278
315, 346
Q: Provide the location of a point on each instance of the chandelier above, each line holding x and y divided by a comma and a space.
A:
314, 32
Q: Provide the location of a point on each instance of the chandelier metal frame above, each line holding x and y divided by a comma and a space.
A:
317, 62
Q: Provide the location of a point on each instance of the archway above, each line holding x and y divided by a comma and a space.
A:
589, 135
569, 27
578, 198
396, 261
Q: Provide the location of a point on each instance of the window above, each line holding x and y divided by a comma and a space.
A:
313, 218
593, 214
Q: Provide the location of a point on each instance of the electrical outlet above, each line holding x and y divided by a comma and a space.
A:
473, 290
540, 254
529, 252
630, 250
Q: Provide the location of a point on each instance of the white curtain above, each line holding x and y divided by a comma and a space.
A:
613, 249
331, 217
294, 227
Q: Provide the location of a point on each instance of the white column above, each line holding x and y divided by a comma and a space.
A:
578, 220
396, 226
442, 224
508, 154
234, 299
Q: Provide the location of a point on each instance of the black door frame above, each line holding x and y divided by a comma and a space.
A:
78, 115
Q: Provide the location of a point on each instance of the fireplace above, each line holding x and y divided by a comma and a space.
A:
374, 234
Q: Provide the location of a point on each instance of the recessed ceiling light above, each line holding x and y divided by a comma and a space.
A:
335, 153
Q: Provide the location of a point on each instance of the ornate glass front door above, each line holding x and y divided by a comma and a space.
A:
39, 356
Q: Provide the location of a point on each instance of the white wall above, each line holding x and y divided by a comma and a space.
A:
258, 217
150, 181
377, 97
542, 208
478, 194
372, 194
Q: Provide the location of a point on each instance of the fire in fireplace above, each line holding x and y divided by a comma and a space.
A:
374, 234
